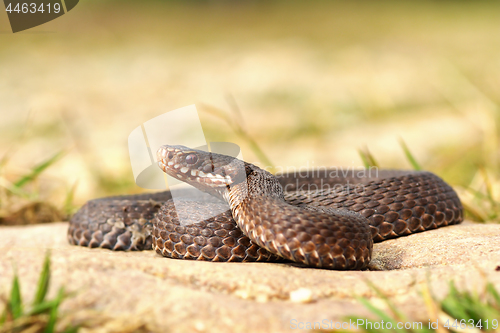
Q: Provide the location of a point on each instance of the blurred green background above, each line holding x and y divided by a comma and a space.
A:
315, 82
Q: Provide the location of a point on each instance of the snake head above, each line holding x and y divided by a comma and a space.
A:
209, 172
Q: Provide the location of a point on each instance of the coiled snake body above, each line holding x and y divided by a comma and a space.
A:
332, 222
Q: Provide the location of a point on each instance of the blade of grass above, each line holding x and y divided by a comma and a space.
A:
240, 131
487, 183
15, 304
68, 201
3, 318
367, 158
43, 282
381, 314
456, 304
372, 160
490, 289
397, 314
23, 325
44, 307
477, 194
218, 113
364, 158
231, 101
53, 313
4, 160
259, 152
476, 214
15, 190
71, 329
409, 155
431, 306
38, 169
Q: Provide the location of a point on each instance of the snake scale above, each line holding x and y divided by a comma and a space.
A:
323, 218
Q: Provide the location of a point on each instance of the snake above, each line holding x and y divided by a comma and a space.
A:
322, 218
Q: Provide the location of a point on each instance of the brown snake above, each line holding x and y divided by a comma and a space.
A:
331, 223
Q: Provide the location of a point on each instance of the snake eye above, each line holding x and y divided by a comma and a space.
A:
191, 159
170, 155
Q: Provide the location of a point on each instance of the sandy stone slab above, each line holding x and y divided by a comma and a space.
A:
465, 244
180, 295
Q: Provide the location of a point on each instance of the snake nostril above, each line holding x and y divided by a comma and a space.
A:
191, 159
170, 155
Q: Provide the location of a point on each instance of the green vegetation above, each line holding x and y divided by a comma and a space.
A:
24, 192
480, 202
42, 315
234, 121
367, 158
409, 156
472, 307
309, 78
457, 312
17, 187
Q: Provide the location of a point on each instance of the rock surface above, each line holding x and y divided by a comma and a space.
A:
165, 295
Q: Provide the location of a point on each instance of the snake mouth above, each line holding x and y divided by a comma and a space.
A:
196, 167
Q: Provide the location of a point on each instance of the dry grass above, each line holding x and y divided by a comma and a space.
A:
313, 84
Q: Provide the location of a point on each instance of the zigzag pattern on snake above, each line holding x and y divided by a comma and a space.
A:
331, 222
